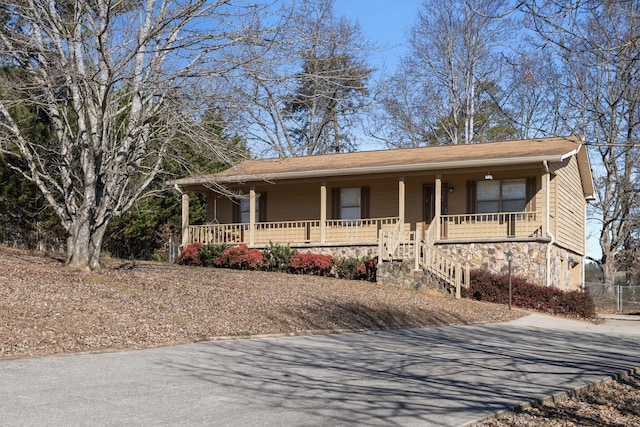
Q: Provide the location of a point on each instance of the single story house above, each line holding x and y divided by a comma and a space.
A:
438, 207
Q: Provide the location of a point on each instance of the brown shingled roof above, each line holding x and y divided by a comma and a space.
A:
424, 158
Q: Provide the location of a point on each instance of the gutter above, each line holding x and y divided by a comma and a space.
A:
323, 173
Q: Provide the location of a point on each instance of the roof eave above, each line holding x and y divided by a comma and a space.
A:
488, 163
586, 175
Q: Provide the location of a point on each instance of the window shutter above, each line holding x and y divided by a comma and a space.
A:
364, 202
531, 193
335, 203
262, 208
471, 197
235, 211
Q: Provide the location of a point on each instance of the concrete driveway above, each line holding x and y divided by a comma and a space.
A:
444, 376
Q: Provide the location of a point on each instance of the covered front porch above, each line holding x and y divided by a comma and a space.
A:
293, 232
439, 205
419, 208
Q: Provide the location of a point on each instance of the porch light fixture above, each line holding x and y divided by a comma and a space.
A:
450, 189
488, 176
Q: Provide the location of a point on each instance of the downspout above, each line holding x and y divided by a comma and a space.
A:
547, 202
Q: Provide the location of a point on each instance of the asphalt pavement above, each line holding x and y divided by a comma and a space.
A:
440, 376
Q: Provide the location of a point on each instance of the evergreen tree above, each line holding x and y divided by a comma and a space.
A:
146, 230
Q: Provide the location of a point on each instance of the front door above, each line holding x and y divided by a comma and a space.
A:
429, 202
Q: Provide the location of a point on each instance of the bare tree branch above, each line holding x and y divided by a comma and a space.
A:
113, 82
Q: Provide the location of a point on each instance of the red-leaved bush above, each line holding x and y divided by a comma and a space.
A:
368, 269
491, 287
310, 263
189, 254
240, 257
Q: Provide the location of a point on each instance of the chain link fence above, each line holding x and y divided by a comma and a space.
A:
173, 247
35, 240
620, 298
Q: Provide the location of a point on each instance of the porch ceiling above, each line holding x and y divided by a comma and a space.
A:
432, 158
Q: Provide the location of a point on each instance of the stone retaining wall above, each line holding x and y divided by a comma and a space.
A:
402, 274
564, 264
529, 260
352, 251
528, 257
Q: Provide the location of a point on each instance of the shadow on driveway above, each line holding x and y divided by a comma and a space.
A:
440, 376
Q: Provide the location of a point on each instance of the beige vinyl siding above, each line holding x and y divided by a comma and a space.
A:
569, 215
286, 202
383, 196
301, 201
292, 202
218, 209
553, 205
413, 198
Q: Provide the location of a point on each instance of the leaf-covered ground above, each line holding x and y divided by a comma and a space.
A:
47, 309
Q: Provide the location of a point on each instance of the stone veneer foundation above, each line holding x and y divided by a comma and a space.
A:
402, 274
351, 251
529, 261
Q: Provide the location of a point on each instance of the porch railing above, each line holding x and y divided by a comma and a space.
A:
396, 244
491, 225
218, 233
357, 230
443, 267
293, 232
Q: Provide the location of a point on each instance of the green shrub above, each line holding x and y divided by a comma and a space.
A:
346, 268
491, 287
277, 257
356, 269
208, 253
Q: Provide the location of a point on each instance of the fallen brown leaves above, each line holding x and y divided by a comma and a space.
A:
46, 308
613, 403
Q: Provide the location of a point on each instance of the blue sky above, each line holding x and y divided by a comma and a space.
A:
386, 23
383, 22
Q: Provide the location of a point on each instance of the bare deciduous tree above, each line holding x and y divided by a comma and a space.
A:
532, 109
598, 47
300, 96
452, 62
114, 82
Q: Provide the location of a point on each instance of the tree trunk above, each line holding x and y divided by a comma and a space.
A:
609, 273
78, 242
84, 244
95, 246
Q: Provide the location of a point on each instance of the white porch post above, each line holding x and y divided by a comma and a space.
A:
252, 216
546, 219
438, 207
545, 213
401, 196
323, 212
185, 219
